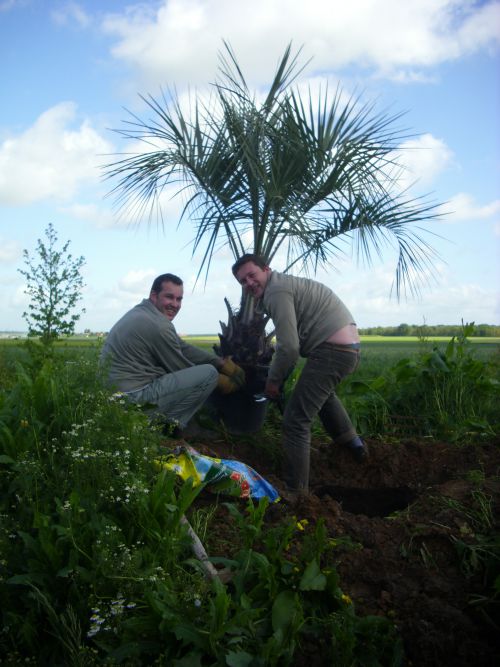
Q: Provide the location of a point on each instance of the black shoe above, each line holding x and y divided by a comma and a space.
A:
358, 449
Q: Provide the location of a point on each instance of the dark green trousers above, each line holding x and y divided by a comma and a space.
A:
314, 394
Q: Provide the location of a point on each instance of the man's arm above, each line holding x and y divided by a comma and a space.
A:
198, 356
171, 352
281, 308
231, 376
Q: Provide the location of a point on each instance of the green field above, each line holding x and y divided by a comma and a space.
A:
374, 342
378, 353
379, 349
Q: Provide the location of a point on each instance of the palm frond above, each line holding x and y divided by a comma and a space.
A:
303, 173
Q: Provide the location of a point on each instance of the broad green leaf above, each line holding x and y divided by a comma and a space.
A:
313, 579
285, 608
239, 659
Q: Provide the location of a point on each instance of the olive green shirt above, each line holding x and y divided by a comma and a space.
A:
143, 345
305, 313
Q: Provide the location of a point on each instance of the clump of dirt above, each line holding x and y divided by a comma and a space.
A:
408, 509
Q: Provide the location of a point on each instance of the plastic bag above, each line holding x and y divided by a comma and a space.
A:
223, 475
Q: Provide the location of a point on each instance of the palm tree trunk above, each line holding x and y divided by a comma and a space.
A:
244, 338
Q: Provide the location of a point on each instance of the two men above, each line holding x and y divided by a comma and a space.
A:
312, 322
145, 358
149, 362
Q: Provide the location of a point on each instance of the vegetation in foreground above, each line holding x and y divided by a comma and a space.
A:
96, 566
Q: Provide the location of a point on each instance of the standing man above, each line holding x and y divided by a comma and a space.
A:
145, 358
310, 321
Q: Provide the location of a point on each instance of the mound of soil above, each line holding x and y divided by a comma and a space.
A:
408, 508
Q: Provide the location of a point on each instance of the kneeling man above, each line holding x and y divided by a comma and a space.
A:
145, 358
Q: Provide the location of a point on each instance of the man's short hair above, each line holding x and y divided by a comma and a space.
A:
164, 278
258, 260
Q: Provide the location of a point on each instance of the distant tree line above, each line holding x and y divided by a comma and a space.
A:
425, 330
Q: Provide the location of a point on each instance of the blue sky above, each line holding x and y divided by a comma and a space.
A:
70, 69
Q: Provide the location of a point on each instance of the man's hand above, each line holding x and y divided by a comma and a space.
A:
233, 371
226, 384
272, 390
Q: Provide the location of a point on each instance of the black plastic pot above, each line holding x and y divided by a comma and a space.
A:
240, 413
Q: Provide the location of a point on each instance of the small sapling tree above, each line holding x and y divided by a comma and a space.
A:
53, 284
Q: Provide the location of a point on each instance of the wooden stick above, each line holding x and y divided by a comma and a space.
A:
201, 554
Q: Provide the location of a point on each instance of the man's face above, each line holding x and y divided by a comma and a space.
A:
169, 300
253, 279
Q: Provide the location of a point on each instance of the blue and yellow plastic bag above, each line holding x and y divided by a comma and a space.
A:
223, 475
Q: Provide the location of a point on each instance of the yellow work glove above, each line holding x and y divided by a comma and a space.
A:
233, 371
226, 385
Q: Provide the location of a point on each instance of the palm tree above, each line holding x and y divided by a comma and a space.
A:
296, 173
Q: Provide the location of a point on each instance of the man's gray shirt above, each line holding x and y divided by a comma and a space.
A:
305, 313
143, 345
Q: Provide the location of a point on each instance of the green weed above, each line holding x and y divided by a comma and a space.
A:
96, 564
442, 392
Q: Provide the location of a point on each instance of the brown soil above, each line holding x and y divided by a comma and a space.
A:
405, 508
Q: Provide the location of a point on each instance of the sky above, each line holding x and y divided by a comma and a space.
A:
72, 71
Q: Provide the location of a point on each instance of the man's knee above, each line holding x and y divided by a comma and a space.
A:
211, 374
294, 429
201, 376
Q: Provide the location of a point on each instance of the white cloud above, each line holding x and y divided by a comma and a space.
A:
7, 5
179, 41
446, 305
424, 158
411, 76
463, 207
444, 301
481, 28
19, 299
71, 13
106, 304
10, 251
137, 281
50, 160
455, 302
99, 216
